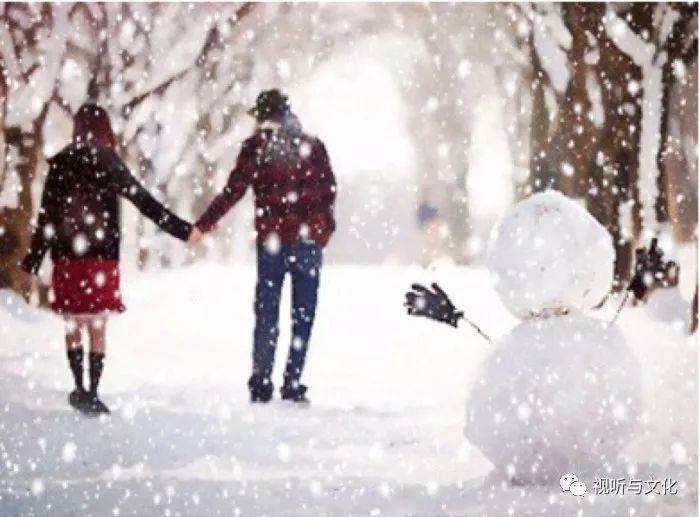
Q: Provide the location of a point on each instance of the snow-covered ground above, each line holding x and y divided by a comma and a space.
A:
384, 435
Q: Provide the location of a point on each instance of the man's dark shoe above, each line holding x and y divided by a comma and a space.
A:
260, 388
295, 393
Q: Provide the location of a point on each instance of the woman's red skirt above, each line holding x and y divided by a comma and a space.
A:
86, 286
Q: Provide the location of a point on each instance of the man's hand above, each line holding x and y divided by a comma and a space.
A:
435, 304
195, 236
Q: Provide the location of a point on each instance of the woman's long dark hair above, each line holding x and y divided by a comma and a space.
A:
92, 127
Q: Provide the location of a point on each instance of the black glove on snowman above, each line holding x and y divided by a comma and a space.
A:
651, 270
435, 304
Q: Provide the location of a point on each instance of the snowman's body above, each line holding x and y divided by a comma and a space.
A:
562, 391
556, 395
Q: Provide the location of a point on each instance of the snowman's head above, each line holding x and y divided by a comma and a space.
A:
548, 255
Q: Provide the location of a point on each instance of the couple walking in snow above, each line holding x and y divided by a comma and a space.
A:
79, 224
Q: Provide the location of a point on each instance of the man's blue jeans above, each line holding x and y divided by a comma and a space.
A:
303, 262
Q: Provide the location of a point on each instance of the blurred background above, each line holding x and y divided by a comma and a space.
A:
437, 117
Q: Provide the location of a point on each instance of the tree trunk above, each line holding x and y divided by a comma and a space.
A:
540, 178
458, 213
614, 194
16, 222
661, 180
144, 244
694, 312
576, 136
680, 162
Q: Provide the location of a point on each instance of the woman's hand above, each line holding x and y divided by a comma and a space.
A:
195, 236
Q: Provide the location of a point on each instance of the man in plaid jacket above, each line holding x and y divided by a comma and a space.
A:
294, 187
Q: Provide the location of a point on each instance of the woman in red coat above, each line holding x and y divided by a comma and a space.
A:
79, 223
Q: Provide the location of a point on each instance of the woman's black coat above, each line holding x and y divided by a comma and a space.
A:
79, 215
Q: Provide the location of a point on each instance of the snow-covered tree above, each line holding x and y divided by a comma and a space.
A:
33, 46
576, 86
601, 77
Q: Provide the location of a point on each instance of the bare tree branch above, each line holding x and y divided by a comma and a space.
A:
209, 42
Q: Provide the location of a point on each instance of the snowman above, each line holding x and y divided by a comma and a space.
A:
561, 392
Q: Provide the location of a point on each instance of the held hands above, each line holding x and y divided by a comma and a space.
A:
194, 238
435, 304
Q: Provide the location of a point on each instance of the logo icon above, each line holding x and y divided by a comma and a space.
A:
578, 488
570, 483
